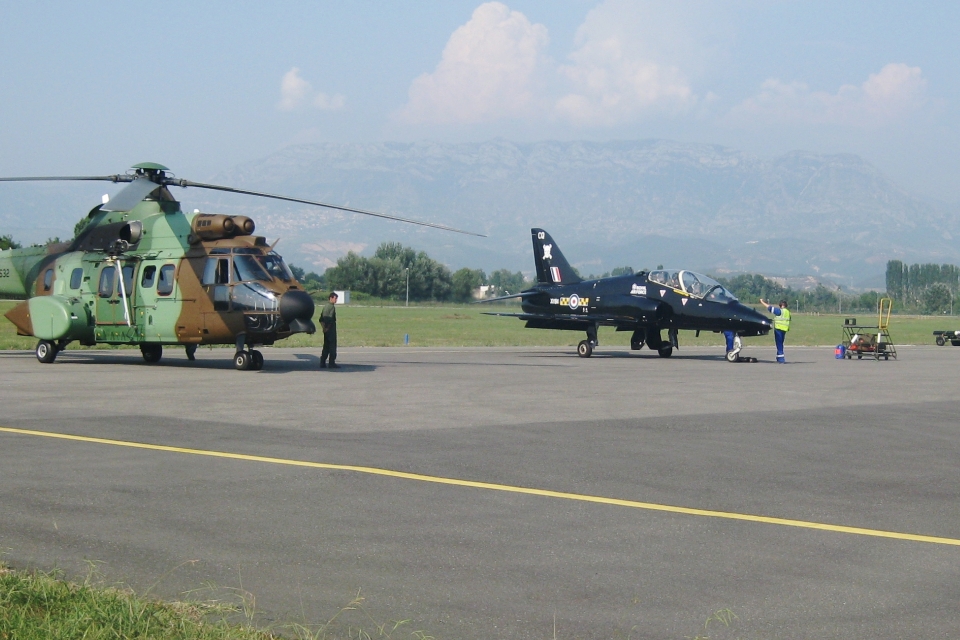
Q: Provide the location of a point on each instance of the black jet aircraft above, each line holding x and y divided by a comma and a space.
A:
645, 303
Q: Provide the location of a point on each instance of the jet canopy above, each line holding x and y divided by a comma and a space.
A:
696, 285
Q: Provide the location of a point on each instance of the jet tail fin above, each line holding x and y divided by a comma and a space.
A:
552, 267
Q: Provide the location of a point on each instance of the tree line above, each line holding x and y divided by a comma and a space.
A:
929, 287
395, 270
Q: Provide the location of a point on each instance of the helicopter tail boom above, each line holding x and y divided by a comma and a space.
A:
15, 267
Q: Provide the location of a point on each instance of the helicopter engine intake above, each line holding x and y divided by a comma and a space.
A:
216, 226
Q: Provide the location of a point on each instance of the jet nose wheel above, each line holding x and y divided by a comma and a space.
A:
732, 356
584, 349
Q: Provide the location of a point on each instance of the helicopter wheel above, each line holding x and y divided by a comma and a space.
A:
665, 352
732, 356
584, 349
256, 360
46, 351
941, 341
151, 352
242, 360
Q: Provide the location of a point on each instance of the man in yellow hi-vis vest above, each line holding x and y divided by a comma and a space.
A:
781, 324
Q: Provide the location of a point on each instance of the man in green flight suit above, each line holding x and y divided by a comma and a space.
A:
328, 322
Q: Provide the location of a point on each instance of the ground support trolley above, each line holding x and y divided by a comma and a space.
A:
872, 341
942, 337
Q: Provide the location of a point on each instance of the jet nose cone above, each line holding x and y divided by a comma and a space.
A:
296, 305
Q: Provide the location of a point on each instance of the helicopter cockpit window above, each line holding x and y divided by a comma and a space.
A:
149, 276
246, 268
76, 278
107, 276
276, 267
668, 277
165, 283
217, 271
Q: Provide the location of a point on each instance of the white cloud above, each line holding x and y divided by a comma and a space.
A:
295, 92
610, 86
629, 58
487, 71
888, 95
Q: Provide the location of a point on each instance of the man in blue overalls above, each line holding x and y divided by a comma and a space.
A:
781, 324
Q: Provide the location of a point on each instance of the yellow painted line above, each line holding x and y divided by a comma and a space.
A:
498, 487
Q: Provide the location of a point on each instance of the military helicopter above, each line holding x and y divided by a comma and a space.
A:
645, 303
143, 272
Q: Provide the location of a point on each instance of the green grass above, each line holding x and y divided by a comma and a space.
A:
44, 606
466, 326
41, 606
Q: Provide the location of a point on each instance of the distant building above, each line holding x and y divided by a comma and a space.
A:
343, 297
484, 291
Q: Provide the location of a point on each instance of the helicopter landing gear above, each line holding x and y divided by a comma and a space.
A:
151, 352
191, 350
251, 360
46, 351
665, 351
637, 339
246, 359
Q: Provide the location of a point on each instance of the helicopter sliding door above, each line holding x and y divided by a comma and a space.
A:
114, 306
114, 296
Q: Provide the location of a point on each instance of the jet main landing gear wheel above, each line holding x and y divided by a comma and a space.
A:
665, 351
585, 349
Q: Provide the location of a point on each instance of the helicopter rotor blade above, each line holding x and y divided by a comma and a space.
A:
188, 183
131, 195
113, 178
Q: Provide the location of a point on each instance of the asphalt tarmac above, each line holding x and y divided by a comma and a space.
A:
501, 493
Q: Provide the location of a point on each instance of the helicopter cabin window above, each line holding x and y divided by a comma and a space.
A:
165, 283
48, 280
107, 276
276, 267
217, 271
246, 268
128, 278
149, 276
76, 278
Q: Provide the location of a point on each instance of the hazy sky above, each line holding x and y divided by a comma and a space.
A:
202, 86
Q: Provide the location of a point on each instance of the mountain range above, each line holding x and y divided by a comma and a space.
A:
834, 218
608, 204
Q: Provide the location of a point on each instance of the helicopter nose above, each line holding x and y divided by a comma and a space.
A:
296, 305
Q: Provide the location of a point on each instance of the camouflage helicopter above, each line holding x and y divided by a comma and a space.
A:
143, 272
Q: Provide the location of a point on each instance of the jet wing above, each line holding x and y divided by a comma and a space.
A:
579, 318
